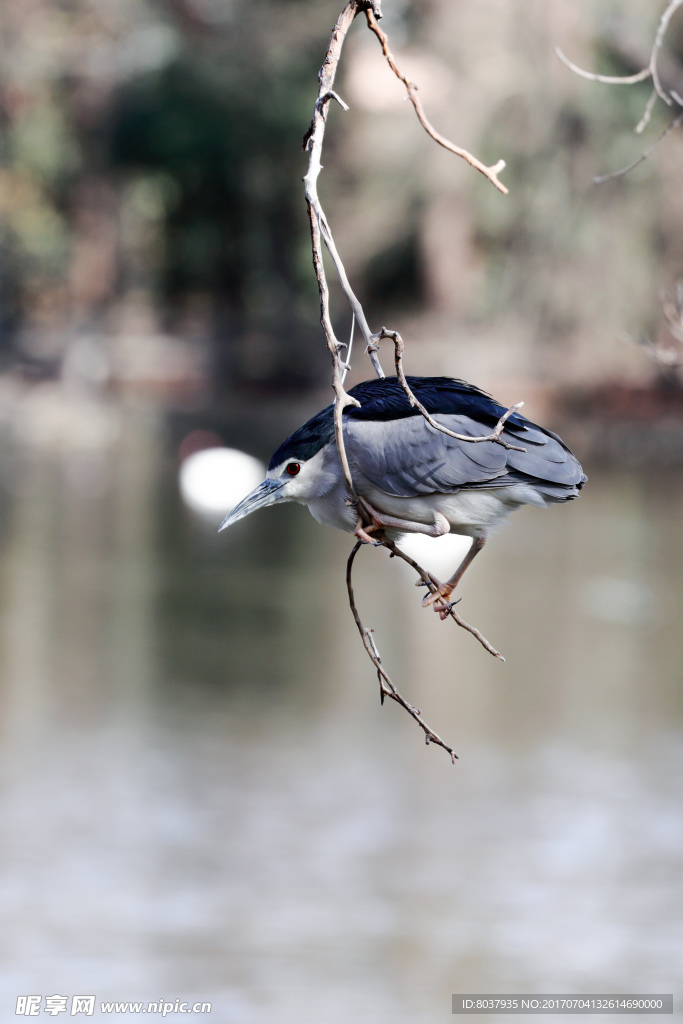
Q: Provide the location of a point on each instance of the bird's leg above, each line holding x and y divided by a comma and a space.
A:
365, 523
439, 598
380, 521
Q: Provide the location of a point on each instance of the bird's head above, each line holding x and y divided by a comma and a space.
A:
298, 471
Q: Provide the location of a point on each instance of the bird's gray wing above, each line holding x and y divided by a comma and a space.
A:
406, 457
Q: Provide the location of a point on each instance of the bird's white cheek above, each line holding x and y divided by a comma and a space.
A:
294, 490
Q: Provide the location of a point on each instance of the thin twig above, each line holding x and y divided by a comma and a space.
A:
489, 172
643, 156
647, 113
641, 76
387, 688
495, 436
349, 348
659, 40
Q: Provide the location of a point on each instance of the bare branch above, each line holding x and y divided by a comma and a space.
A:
387, 688
495, 436
489, 172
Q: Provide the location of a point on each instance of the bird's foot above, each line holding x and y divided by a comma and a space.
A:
439, 600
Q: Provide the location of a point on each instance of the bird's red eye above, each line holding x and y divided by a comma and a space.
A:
293, 468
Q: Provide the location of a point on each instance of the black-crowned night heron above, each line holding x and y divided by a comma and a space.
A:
413, 478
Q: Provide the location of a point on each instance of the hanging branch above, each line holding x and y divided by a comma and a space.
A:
671, 97
321, 233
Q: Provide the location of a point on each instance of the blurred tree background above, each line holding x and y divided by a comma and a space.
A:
153, 225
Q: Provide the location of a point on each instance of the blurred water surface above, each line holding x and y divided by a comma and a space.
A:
202, 798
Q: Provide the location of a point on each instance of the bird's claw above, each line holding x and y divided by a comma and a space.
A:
444, 610
441, 594
439, 599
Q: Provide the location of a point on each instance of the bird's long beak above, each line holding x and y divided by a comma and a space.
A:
266, 493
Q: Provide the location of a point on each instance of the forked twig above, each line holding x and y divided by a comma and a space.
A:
651, 71
386, 687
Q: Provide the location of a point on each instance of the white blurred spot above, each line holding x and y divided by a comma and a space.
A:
214, 480
621, 602
440, 555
